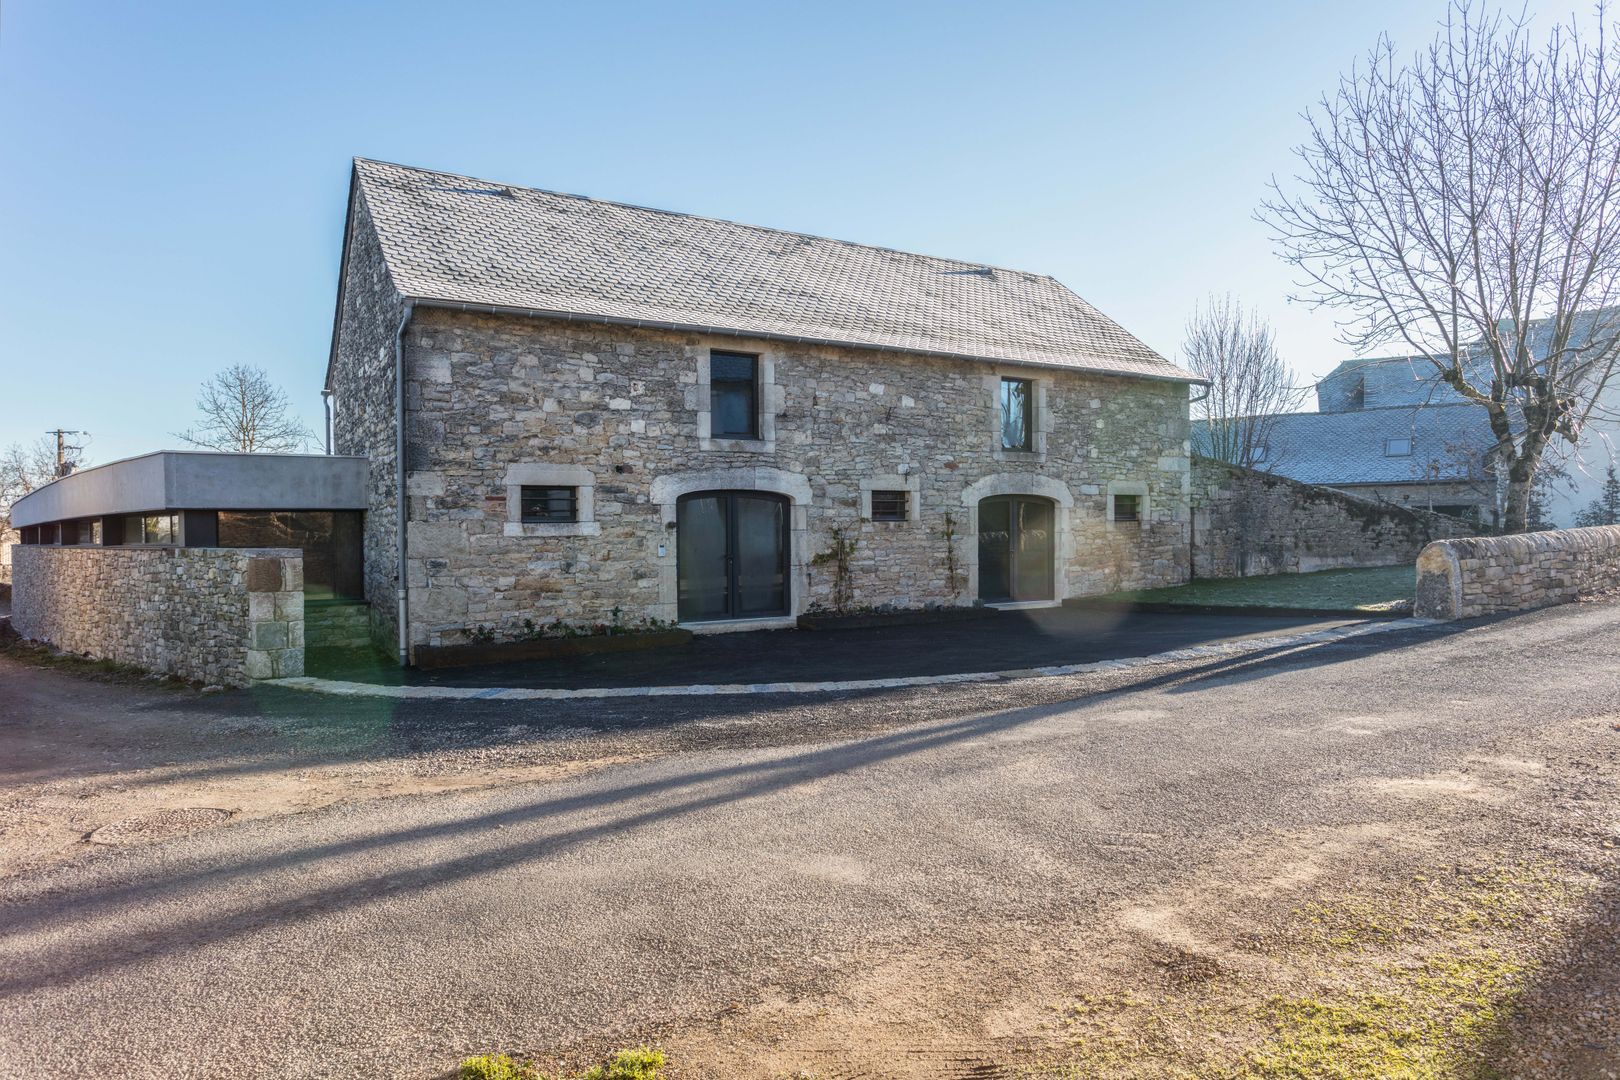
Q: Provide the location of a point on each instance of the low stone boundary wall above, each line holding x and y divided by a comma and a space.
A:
1486, 575
217, 615
1247, 523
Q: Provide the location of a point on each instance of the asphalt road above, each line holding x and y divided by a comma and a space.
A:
391, 938
983, 641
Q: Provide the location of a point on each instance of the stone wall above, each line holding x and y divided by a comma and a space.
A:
216, 615
1248, 523
1485, 575
495, 398
363, 406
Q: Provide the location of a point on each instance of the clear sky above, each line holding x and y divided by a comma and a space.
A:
172, 175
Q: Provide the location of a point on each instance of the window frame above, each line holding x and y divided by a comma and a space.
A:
1411, 447
716, 385
897, 505
1028, 444
1135, 516
571, 498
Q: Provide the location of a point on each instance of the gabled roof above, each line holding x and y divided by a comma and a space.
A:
455, 240
1448, 444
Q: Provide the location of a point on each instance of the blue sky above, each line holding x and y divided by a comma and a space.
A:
172, 175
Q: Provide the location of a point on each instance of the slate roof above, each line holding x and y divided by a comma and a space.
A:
457, 240
1348, 447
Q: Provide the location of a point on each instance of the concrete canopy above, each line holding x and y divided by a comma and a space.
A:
198, 480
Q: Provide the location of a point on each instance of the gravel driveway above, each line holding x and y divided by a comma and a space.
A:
906, 884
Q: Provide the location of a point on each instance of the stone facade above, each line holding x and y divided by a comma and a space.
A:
1248, 523
1487, 575
497, 401
216, 615
363, 400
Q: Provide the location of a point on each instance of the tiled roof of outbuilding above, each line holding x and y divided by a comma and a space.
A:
453, 239
1448, 441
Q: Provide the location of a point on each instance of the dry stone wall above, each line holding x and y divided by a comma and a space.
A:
217, 615
1487, 575
1248, 523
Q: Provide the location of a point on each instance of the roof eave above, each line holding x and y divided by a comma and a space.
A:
1172, 376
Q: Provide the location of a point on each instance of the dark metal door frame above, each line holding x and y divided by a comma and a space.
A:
783, 558
1011, 561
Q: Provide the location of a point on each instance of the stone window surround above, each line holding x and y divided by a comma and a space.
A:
770, 398
535, 474
1044, 487
666, 494
911, 483
1040, 385
1144, 506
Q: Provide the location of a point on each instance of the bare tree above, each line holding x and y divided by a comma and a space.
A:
244, 412
1249, 384
24, 468
1465, 203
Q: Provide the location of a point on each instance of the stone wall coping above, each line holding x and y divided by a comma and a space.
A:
1525, 545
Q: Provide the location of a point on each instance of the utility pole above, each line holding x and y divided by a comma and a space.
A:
62, 447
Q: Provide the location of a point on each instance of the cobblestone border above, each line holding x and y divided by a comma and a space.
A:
342, 688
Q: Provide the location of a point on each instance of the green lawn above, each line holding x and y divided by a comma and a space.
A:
1378, 589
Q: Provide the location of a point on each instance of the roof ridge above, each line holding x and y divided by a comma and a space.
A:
716, 220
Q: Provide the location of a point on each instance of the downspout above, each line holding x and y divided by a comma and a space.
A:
401, 499
1192, 510
326, 407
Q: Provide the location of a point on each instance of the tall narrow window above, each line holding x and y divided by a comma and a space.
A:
542, 505
733, 395
1017, 414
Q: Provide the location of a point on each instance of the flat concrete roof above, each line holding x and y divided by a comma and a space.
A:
198, 480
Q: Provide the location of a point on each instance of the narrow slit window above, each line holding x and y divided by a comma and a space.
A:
891, 505
546, 505
1017, 414
733, 395
1127, 508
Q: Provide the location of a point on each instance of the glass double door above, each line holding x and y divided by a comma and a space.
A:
1017, 541
731, 555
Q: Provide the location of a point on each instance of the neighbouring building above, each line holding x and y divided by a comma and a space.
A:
583, 412
1388, 429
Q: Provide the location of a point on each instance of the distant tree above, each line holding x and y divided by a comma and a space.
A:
1605, 509
24, 468
1463, 203
244, 412
1249, 384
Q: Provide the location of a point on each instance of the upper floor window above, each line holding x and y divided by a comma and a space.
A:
541, 505
1397, 447
1017, 414
733, 395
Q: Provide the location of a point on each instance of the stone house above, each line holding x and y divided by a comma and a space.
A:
600, 413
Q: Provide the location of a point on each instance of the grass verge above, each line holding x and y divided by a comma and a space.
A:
1376, 589
1419, 985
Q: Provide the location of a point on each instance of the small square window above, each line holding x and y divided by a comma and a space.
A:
1397, 447
891, 505
541, 505
1127, 508
733, 395
1017, 414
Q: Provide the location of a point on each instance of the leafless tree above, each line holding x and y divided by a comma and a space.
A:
244, 412
1249, 384
24, 468
1464, 202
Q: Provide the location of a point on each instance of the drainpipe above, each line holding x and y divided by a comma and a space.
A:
326, 407
401, 592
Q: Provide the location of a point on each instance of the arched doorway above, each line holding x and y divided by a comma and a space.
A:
731, 555
1017, 544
